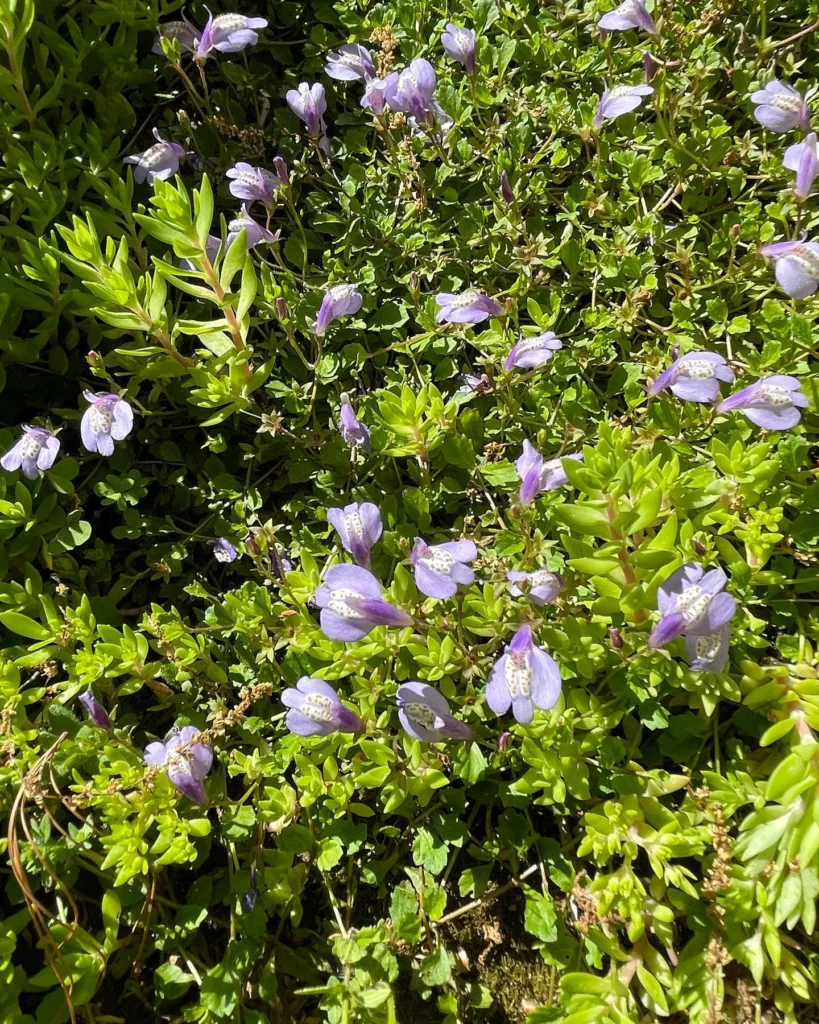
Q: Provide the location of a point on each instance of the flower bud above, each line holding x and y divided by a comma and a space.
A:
282, 169
96, 712
282, 311
505, 741
735, 232
698, 546
94, 358
616, 638
675, 351
252, 547
649, 67
507, 194
414, 282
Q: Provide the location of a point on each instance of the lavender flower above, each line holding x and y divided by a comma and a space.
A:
351, 604
622, 99
253, 184
803, 158
186, 34
507, 195
708, 653
228, 33
108, 418
691, 602
223, 550
468, 307
527, 353
525, 678
412, 90
340, 300
359, 527
459, 43
309, 105
780, 107
355, 433
254, 231
34, 453
797, 266
439, 568
350, 63
158, 162
630, 14
537, 475
541, 587
96, 712
186, 761
424, 714
694, 377
315, 709
375, 94
772, 403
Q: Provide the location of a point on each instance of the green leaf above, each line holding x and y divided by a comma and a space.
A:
25, 626
585, 519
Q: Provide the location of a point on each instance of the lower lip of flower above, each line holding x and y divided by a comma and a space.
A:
518, 675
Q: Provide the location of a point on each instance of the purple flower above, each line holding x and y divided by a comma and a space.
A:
309, 105
375, 94
96, 712
315, 709
525, 678
158, 162
340, 300
507, 195
359, 527
469, 307
803, 157
691, 603
473, 384
186, 34
528, 353
694, 377
541, 587
630, 14
185, 761
424, 714
351, 604
622, 99
439, 568
708, 653
780, 107
459, 43
772, 403
412, 90
350, 63
34, 453
228, 33
355, 433
223, 550
254, 231
108, 418
537, 475
279, 561
797, 266
253, 183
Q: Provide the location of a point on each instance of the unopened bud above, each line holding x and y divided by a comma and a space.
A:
282, 169
649, 67
414, 283
507, 194
735, 232
252, 547
616, 638
282, 311
505, 741
675, 351
698, 546
94, 358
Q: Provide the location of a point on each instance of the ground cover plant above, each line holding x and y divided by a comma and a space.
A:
408, 512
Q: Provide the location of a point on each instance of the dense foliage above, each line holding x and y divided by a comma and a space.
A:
599, 800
